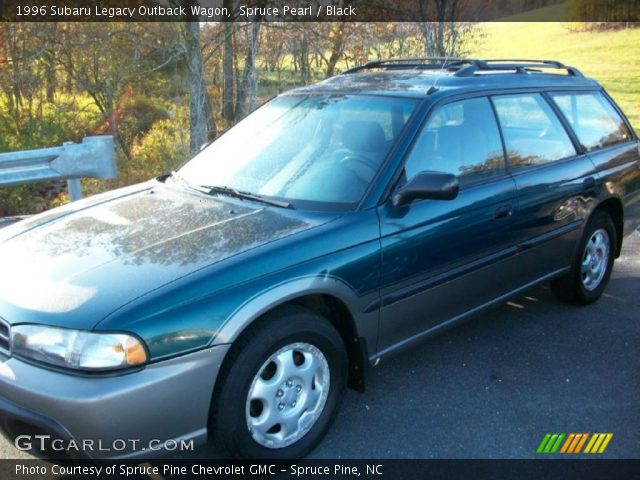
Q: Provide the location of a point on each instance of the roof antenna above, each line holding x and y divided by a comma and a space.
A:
434, 88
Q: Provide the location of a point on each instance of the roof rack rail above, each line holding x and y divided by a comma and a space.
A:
519, 65
423, 63
464, 67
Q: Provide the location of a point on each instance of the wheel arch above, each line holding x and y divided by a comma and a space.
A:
328, 296
613, 207
337, 312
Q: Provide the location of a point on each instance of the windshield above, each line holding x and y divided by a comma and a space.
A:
309, 150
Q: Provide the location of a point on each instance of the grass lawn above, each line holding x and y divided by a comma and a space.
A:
612, 58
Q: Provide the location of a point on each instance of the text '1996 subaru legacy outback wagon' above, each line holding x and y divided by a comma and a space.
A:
338, 224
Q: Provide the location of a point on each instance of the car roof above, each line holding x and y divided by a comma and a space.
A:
419, 77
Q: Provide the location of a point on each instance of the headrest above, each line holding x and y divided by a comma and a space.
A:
363, 136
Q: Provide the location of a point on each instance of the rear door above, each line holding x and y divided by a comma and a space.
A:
610, 143
555, 183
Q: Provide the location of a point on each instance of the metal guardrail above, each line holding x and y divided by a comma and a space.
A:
6, 221
93, 158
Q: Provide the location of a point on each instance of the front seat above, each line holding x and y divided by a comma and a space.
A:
366, 141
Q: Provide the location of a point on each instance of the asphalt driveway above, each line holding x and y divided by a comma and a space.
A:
495, 386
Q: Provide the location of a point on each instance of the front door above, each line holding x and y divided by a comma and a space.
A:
441, 258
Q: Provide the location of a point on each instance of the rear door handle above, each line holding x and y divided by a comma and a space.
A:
503, 211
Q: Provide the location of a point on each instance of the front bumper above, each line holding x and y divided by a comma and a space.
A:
116, 416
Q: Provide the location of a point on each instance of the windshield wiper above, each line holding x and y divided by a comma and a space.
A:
232, 192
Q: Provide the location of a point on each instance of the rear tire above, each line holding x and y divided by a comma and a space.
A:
593, 264
280, 386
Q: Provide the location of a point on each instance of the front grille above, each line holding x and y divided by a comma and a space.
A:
4, 337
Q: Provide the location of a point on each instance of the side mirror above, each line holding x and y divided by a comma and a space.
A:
427, 185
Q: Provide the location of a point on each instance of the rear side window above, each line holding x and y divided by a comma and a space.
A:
460, 138
533, 134
596, 123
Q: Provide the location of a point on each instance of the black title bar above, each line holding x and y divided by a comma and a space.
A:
324, 469
318, 10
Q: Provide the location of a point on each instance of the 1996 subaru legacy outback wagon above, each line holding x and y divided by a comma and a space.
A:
336, 225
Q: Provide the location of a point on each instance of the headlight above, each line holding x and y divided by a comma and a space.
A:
77, 349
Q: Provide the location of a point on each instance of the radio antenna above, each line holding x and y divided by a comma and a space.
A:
434, 87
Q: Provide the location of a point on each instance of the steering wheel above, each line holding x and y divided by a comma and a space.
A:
347, 157
354, 185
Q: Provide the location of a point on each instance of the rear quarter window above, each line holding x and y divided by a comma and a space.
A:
595, 121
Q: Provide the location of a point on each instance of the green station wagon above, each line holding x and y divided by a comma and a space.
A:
236, 299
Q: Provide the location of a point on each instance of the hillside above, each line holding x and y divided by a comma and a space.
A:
612, 58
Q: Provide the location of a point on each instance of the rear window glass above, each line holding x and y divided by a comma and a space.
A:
594, 120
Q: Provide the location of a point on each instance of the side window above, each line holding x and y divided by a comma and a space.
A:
596, 123
533, 134
460, 138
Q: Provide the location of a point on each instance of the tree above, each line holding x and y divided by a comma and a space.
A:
330, 43
201, 123
104, 59
609, 15
248, 88
298, 46
273, 56
444, 37
227, 69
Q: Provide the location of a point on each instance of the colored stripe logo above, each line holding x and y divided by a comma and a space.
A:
574, 442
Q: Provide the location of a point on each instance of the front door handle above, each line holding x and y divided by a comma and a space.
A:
503, 211
589, 184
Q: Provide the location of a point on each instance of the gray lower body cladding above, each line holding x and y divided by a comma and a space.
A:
168, 400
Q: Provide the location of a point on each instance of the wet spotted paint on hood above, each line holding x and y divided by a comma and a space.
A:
87, 260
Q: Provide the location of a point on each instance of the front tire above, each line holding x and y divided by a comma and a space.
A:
280, 386
593, 264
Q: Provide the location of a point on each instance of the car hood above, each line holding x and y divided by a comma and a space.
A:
73, 266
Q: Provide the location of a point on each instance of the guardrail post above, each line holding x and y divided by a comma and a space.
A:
75, 189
